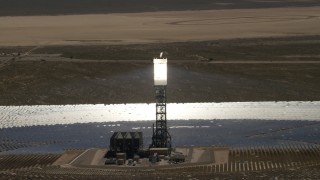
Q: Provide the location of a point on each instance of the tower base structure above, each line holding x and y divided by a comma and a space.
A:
161, 137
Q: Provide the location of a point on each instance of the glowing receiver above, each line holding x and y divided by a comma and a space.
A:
160, 71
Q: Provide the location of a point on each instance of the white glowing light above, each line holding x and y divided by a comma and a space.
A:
19, 116
160, 71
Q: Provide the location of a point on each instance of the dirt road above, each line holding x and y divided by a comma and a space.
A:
91, 156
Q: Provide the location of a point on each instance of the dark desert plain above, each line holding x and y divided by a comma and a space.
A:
58, 52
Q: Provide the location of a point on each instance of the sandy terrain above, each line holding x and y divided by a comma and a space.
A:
34, 72
67, 157
158, 26
91, 156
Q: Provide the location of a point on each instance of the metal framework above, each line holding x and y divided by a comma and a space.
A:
161, 137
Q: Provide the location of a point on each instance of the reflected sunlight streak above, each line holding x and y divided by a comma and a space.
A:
17, 116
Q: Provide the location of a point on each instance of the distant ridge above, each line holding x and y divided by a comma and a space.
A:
59, 7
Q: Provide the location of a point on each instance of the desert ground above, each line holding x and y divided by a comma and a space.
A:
157, 27
265, 69
265, 54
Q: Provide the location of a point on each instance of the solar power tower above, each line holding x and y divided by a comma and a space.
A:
161, 137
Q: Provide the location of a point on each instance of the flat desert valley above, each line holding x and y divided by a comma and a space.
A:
73, 53
215, 55
155, 27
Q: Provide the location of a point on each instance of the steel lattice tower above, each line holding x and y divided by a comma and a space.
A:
161, 137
